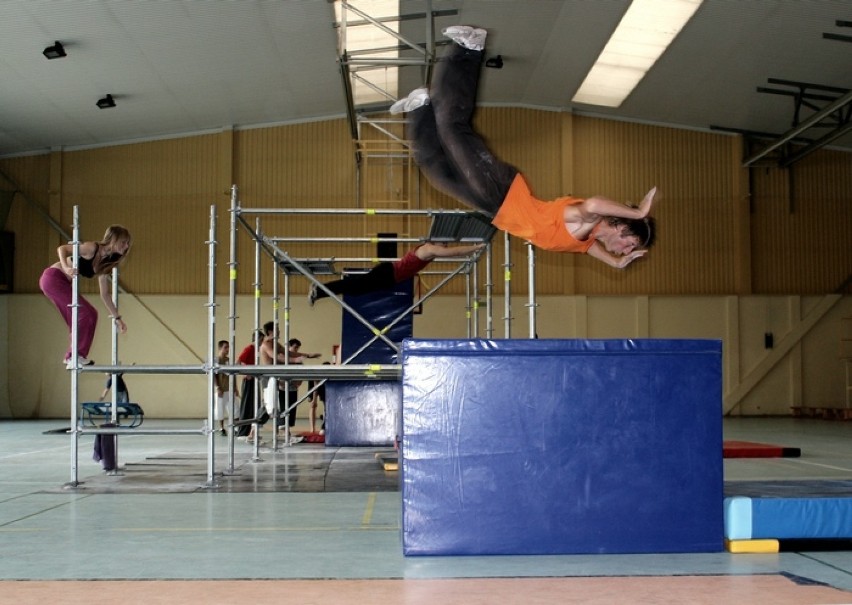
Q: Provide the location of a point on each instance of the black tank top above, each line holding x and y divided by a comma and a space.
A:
85, 266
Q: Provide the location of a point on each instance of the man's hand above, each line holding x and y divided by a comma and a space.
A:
629, 258
647, 201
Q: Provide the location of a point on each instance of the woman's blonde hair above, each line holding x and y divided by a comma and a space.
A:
116, 233
113, 235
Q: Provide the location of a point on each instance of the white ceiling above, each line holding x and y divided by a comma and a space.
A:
186, 66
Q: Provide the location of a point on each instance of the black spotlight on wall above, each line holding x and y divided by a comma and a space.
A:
54, 52
107, 101
495, 62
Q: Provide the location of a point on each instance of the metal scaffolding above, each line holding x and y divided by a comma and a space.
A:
77, 427
447, 226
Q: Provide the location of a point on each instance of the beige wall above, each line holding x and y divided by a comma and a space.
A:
172, 330
739, 252
722, 230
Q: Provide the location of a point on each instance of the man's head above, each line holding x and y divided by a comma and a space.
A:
294, 344
224, 347
269, 328
630, 234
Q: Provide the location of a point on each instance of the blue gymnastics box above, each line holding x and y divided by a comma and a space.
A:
518, 447
362, 412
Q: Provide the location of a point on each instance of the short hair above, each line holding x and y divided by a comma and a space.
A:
268, 327
222, 343
643, 229
294, 342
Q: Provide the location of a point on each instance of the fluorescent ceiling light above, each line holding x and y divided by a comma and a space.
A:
644, 33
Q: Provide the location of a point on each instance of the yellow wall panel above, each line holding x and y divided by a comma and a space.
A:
790, 235
803, 225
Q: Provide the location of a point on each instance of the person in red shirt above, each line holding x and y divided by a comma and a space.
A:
385, 274
457, 161
247, 357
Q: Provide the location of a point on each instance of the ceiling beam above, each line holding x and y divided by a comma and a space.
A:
802, 127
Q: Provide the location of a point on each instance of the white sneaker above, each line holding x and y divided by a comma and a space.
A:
312, 295
416, 98
81, 361
472, 38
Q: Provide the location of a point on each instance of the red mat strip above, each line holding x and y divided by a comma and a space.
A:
749, 449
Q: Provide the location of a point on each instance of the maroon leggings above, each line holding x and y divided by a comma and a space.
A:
57, 287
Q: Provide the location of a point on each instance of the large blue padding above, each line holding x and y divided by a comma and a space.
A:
380, 309
791, 518
561, 446
362, 412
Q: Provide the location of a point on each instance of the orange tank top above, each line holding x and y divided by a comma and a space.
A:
542, 223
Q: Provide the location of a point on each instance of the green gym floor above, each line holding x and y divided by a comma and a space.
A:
315, 522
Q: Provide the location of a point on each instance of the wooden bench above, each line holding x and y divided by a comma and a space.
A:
94, 411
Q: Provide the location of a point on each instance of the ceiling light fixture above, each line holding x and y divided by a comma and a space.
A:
107, 101
54, 52
642, 35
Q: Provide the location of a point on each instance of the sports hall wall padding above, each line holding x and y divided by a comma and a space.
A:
561, 446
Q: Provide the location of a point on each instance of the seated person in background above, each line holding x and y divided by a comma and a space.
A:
122, 395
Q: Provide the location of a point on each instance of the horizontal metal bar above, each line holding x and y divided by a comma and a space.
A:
375, 259
137, 431
837, 37
356, 211
404, 17
315, 372
795, 93
386, 61
797, 130
143, 369
795, 83
351, 240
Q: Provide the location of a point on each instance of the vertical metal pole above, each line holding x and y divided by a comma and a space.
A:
489, 292
75, 298
232, 322
114, 358
114, 349
467, 303
276, 331
473, 268
531, 272
212, 363
287, 411
287, 401
507, 287
258, 380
